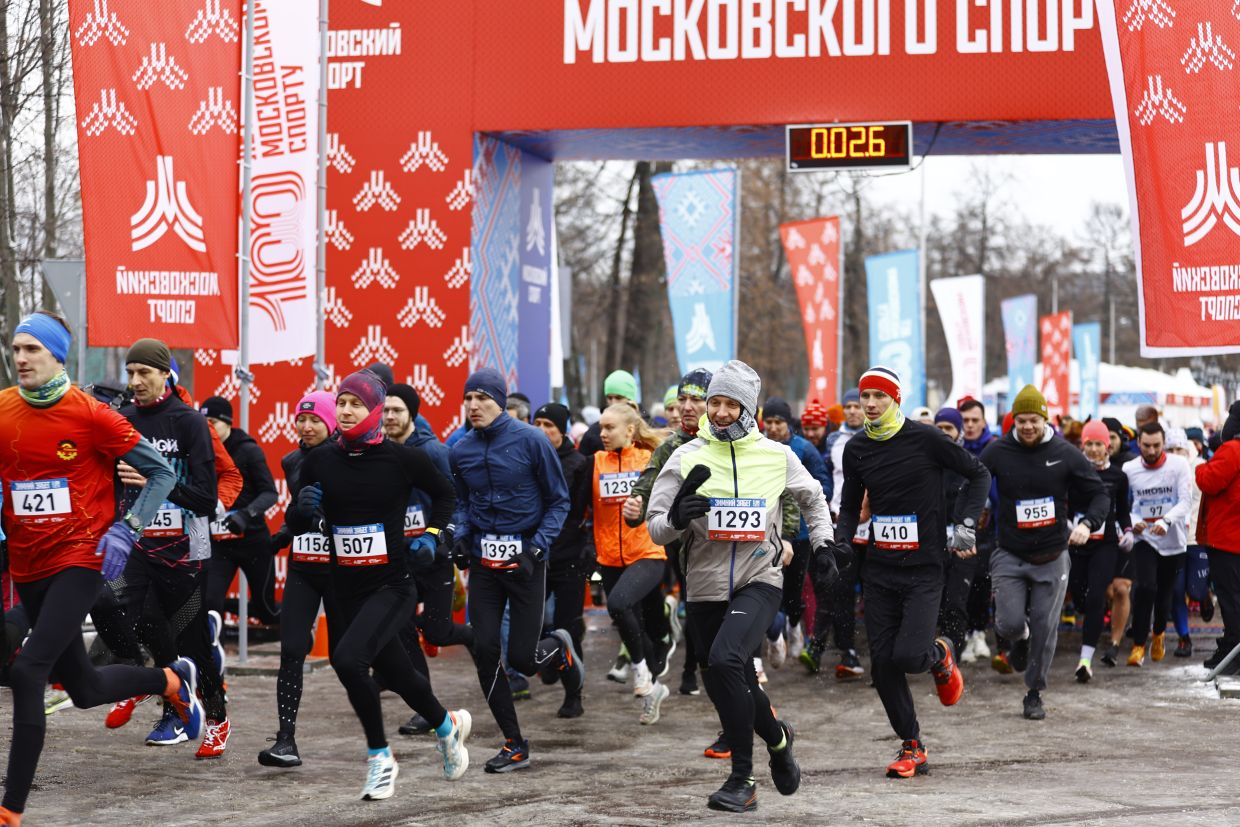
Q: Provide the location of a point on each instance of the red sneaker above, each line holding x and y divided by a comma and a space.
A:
719, 749
910, 762
947, 678
214, 740
122, 711
8, 818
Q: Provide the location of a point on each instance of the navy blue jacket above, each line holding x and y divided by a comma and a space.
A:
508, 481
422, 437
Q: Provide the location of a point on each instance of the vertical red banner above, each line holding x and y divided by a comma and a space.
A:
1175, 88
814, 250
158, 97
1056, 333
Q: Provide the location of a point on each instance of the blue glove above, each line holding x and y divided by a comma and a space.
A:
423, 550
114, 547
309, 499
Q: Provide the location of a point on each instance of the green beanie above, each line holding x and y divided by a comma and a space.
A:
1030, 401
669, 398
620, 383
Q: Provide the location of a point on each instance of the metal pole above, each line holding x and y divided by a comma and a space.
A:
243, 351
1054, 295
320, 281
736, 269
921, 282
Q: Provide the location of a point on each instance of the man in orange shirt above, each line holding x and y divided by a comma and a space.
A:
58, 449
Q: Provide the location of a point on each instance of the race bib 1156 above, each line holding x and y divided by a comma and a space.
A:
311, 548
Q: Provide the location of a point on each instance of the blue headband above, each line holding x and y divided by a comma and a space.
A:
50, 333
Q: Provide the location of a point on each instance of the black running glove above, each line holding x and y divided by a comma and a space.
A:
460, 555
689, 505
826, 570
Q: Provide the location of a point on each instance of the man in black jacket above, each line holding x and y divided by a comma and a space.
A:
239, 538
1034, 471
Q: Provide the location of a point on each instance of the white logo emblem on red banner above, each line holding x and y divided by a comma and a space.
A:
102, 23
158, 65
108, 111
1214, 198
424, 150
167, 206
1159, 100
1158, 12
215, 110
428, 389
422, 228
212, 18
422, 307
1207, 47
375, 268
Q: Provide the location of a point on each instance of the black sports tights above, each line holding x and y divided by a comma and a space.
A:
302, 593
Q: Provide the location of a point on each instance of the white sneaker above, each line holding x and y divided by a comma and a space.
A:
619, 671
968, 653
757, 667
980, 648
796, 641
55, 700
381, 772
452, 746
673, 617
643, 680
651, 704
779, 652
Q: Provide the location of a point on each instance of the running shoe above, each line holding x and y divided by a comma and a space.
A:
417, 725
651, 704
737, 795
283, 753
549, 675
1019, 656
1137, 656
980, 647
672, 608
910, 761
513, 755
811, 656
184, 701
796, 642
719, 749
968, 653
1158, 647
452, 745
381, 772
169, 730
1033, 709
785, 771
1184, 649
55, 698
849, 666
216, 739
1215, 658
1084, 672
216, 625
777, 652
660, 660
757, 667
643, 680
122, 711
10, 818
1000, 663
619, 672
571, 708
1207, 608
519, 685
689, 683
1110, 655
947, 678
572, 669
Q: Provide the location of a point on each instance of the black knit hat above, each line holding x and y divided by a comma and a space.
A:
556, 413
408, 395
778, 408
383, 372
217, 407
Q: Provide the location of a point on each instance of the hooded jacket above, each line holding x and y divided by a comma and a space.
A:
615, 543
1219, 481
753, 469
573, 542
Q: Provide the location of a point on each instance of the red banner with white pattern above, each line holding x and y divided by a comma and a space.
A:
1175, 87
814, 251
157, 93
1056, 333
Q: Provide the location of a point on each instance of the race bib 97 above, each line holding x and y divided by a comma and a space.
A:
613, 488
895, 532
40, 498
360, 545
311, 548
1152, 508
167, 522
415, 521
1035, 513
737, 520
499, 549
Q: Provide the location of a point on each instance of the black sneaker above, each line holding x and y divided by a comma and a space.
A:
1215, 658
1034, 710
659, 659
737, 795
519, 685
1184, 649
513, 755
689, 684
785, 771
811, 655
1019, 656
281, 754
571, 708
1207, 608
549, 675
719, 749
1110, 655
572, 670
417, 725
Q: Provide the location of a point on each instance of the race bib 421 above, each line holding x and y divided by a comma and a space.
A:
40, 498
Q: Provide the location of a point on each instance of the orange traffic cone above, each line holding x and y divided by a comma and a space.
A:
320, 649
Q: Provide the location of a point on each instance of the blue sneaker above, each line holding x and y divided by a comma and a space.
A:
216, 624
185, 703
168, 731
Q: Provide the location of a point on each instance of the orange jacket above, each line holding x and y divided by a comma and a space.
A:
615, 543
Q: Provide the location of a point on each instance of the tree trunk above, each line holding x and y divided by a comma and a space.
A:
646, 344
615, 294
8, 263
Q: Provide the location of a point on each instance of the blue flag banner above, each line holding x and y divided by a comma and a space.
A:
697, 216
892, 285
1020, 334
1087, 346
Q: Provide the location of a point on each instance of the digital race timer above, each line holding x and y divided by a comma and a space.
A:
840, 146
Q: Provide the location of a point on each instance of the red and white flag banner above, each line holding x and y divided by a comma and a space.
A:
962, 307
1056, 362
814, 252
158, 96
1175, 87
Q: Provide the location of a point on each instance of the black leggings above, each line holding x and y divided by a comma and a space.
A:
434, 588
567, 582
302, 593
55, 645
959, 573
489, 592
1153, 590
258, 563
836, 607
794, 582
731, 632
632, 587
369, 639
1092, 573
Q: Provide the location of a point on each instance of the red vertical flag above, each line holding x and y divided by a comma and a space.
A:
158, 98
1056, 362
813, 249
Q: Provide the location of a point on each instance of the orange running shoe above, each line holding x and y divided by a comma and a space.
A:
1001, 664
215, 739
910, 761
8, 818
947, 678
719, 749
122, 711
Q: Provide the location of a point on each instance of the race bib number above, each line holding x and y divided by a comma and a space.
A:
360, 545
311, 548
499, 549
40, 498
1152, 508
1035, 513
862, 535
615, 488
167, 522
415, 521
737, 520
895, 532
1093, 535
219, 531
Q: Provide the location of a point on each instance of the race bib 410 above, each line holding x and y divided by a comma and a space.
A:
895, 533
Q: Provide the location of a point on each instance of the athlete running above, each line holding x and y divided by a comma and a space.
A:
899, 465
721, 496
58, 449
360, 484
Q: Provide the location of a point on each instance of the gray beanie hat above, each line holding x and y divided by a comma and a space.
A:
736, 380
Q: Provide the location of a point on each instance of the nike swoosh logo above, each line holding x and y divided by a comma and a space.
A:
737, 613
1056, 462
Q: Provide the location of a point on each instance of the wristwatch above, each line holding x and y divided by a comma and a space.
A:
969, 522
133, 523
537, 553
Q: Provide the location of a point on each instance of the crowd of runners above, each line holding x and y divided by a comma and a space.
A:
724, 534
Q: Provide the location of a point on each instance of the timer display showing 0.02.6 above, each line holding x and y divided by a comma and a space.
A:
849, 146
